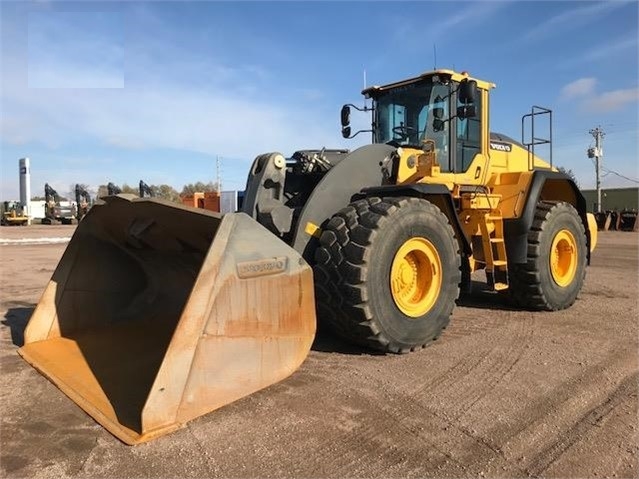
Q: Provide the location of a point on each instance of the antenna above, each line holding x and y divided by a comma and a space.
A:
365, 85
434, 56
217, 171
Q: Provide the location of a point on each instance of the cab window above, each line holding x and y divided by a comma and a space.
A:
468, 137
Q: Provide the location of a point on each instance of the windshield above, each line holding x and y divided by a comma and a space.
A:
405, 115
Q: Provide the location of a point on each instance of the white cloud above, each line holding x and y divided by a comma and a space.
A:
612, 100
44, 75
408, 32
599, 52
571, 18
470, 13
168, 116
578, 88
583, 91
75, 50
174, 100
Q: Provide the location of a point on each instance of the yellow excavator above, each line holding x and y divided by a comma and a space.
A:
158, 313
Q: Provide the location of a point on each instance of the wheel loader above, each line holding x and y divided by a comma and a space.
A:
13, 214
158, 313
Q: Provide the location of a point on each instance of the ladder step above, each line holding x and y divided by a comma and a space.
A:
496, 240
500, 262
500, 286
494, 217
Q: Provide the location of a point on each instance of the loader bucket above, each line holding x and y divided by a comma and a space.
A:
158, 313
628, 221
603, 221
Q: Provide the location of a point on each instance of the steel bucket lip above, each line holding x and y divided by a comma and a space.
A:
31, 355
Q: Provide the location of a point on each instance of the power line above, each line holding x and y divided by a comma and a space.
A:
619, 175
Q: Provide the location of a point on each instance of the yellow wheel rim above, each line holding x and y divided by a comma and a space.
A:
563, 258
416, 277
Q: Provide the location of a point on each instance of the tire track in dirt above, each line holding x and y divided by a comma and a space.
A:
543, 460
458, 444
396, 416
492, 363
554, 400
464, 326
460, 382
369, 437
533, 427
395, 408
496, 369
357, 438
477, 373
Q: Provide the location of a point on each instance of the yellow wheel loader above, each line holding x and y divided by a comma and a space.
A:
13, 214
158, 313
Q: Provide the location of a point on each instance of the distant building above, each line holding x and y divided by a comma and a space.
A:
231, 201
613, 199
37, 209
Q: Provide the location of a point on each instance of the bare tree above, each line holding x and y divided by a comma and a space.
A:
166, 192
198, 187
129, 189
570, 174
102, 191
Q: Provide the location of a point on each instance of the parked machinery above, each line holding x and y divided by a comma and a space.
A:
82, 201
145, 190
628, 220
13, 214
54, 212
624, 220
113, 189
159, 313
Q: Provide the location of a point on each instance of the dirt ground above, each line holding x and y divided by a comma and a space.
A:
502, 393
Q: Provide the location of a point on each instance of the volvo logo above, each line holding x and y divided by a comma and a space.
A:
507, 147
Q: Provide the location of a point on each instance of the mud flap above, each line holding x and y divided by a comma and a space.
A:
158, 313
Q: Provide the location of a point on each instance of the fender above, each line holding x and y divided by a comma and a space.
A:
439, 195
359, 169
545, 185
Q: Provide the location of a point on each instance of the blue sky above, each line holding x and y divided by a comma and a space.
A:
95, 92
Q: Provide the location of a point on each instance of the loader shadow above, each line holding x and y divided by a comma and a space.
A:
481, 297
16, 319
129, 316
327, 341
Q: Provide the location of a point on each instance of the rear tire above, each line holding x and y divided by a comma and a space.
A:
368, 244
554, 273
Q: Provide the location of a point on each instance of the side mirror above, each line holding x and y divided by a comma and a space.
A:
466, 111
467, 91
345, 115
346, 131
438, 125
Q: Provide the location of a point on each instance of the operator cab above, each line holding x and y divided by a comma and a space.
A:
442, 106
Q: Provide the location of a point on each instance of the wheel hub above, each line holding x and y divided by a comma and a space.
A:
415, 277
563, 258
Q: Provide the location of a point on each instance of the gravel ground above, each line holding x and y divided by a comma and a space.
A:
503, 393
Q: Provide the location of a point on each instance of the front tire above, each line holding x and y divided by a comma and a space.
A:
554, 272
387, 273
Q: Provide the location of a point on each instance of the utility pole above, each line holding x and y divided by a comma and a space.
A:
597, 153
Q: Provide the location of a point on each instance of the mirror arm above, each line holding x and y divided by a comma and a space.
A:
358, 132
366, 108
